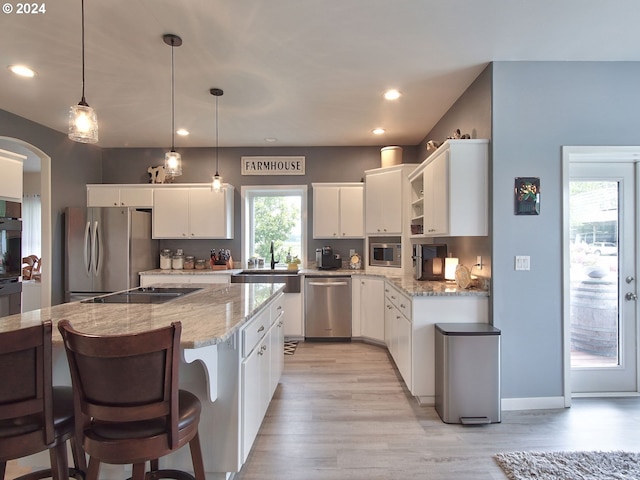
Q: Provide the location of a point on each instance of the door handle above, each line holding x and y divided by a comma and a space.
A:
630, 296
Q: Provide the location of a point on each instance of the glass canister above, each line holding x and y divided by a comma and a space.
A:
177, 262
165, 259
201, 264
189, 262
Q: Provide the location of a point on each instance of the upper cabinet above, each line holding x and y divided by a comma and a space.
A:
11, 166
338, 210
385, 199
449, 191
192, 211
119, 196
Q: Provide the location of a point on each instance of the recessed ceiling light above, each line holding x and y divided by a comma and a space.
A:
271, 139
392, 94
22, 70
378, 131
182, 132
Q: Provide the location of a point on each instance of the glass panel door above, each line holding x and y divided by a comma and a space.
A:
602, 258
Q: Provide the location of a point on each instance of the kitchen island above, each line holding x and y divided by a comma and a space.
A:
232, 347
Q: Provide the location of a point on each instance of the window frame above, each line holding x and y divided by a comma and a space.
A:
249, 192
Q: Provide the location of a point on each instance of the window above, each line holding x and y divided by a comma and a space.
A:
275, 214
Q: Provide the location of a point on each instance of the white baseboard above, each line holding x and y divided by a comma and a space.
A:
533, 403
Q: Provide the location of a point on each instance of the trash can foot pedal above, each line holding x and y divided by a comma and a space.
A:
474, 420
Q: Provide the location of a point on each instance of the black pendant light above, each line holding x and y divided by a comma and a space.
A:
172, 159
217, 179
83, 121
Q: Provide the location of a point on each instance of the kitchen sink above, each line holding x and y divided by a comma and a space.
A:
290, 278
152, 295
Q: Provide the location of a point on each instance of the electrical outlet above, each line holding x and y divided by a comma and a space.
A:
523, 262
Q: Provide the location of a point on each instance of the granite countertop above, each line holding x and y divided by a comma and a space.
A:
405, 282
209, 316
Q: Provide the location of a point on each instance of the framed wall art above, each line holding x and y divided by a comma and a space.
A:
527, 196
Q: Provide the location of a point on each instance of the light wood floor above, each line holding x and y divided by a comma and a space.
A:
341, 412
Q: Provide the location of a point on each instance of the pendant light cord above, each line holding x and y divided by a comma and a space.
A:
173, 109
83, 101
216, 136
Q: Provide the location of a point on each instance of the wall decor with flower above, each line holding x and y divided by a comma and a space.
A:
527, 196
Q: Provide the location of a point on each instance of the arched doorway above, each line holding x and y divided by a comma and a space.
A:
34, 156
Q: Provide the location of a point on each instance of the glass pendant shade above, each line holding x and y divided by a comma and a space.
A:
83, 124
173, 163
83, 121
217, 183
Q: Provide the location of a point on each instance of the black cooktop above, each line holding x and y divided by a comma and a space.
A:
152, 295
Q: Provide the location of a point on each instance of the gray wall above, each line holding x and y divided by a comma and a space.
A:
322, 164
537, 108
73, 165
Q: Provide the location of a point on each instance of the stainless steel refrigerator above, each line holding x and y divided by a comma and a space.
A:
106, 248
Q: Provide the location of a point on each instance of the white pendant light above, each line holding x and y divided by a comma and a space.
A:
83, 121
172, 159
216, 185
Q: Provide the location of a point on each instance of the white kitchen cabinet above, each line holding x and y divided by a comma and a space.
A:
194, 211
11, 166
368, 309
293, 319
119, 196
261, 368
383, 207
449, 191
338, 210
398, 330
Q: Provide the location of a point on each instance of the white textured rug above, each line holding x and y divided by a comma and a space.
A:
570, 465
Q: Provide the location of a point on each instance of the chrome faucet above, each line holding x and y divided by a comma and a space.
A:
273, 260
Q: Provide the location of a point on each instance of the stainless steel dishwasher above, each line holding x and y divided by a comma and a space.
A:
327, 307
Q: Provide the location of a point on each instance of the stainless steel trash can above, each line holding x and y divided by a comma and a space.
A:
467, 373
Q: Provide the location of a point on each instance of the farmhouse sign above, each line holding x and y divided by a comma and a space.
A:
273, 165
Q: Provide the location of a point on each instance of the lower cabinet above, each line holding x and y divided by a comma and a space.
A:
398, 330
368, 307
261, 368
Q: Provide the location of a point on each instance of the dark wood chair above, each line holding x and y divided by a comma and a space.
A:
34, 416
129, 408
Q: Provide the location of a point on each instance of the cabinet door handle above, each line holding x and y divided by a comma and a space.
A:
261, 328
402, 305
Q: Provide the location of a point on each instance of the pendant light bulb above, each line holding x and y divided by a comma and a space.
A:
216, 185
83, 121
172, 159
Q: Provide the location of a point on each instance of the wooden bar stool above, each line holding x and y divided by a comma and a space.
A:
34, 416
128, 406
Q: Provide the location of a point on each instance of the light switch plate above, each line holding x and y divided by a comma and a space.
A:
523, 262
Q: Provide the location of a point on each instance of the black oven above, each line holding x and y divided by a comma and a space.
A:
10, 257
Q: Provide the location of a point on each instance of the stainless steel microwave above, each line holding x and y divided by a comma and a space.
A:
385, 254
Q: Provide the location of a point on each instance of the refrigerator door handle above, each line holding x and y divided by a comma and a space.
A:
87, 249
98, 248
95, 254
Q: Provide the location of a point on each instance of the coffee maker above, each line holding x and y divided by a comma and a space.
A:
428, 261
327, 260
